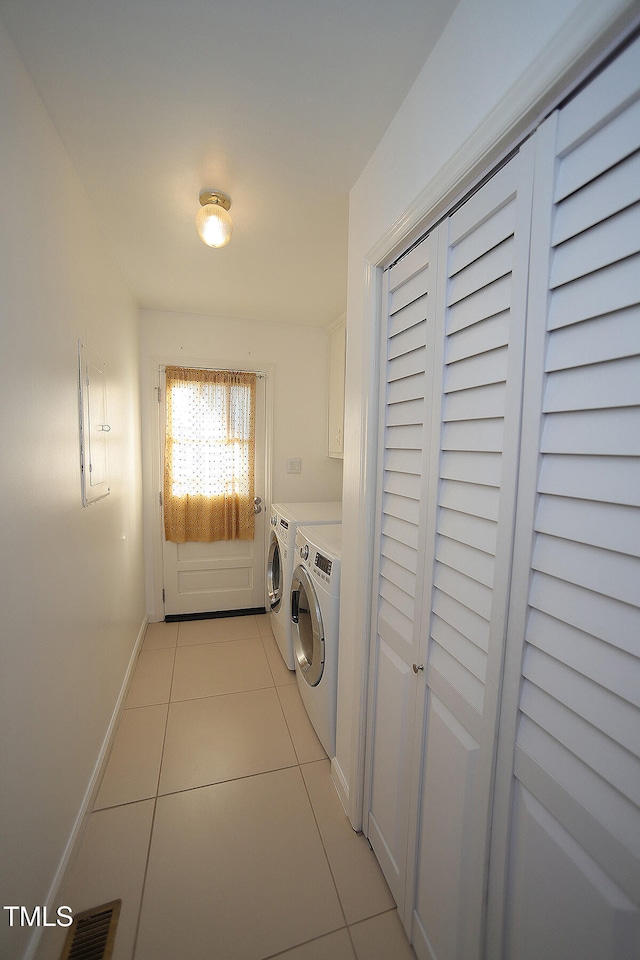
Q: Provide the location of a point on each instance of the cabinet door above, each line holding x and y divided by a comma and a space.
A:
567, 864
337, 354
406, 388
475, 456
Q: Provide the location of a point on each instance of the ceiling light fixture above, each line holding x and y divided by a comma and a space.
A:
213, 221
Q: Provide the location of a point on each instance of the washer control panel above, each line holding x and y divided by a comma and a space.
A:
283, 529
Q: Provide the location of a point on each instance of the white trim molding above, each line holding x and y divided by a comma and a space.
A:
93, 786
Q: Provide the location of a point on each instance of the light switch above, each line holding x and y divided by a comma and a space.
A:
294, 465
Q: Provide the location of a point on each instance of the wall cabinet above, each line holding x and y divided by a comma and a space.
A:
504, 761
337, 354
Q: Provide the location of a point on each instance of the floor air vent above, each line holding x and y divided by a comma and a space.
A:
92, 933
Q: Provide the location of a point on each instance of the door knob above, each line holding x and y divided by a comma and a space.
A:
416, 668
257, 504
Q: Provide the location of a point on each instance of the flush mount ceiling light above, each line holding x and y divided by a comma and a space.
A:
213, 221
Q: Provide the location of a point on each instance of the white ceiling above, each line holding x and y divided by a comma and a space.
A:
279, 103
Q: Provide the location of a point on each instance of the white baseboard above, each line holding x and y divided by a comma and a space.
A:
341, 784
90, 793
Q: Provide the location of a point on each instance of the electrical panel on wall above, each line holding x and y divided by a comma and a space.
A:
94, 426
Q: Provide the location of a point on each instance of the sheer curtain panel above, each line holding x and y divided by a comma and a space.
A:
209, 455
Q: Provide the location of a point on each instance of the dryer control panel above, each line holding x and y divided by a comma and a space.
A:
323, 564
319, 559
317, 564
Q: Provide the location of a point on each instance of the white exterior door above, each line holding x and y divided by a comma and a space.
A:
228, 574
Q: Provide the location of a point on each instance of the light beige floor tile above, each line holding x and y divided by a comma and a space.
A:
195, 631
151, 681
217, 630
305, 741
110, 865
380, 938
212, 669
362, 889
331, 816
220, 738
361, 885
134, 763
335, 946
160, 635
279, 670
238, 865
264, 624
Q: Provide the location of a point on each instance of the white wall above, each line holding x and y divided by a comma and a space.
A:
298, 356
492, 57
71, 583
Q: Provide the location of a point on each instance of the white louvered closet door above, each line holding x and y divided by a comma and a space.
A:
449, 445
569, 865
472, 494
406, 385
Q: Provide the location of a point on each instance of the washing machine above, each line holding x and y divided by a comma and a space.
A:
315, 611
285, 518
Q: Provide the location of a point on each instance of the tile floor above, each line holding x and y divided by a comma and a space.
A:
216, 820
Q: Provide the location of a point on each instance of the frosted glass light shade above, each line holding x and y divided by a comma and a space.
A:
214, 224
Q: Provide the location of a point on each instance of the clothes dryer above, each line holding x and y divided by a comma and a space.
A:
315, 612
285, 518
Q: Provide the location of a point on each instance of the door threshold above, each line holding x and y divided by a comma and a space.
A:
213, 614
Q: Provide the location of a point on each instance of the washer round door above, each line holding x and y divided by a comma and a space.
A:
274, 575
308, 635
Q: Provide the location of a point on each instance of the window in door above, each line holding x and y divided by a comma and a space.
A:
209, 455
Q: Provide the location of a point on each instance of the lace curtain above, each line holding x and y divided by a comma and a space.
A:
209, 455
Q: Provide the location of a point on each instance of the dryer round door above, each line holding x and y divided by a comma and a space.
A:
274, 575
308, 635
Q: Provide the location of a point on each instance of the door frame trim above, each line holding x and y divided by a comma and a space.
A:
152, 488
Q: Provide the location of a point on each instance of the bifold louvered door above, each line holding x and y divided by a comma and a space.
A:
406, 386
504, 783
443, 577
471, 499
571, 871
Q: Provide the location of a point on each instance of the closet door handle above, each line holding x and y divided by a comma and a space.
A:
416, 668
